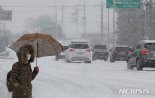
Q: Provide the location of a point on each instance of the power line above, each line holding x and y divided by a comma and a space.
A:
49, 6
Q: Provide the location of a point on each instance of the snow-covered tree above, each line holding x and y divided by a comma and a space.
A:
45, 24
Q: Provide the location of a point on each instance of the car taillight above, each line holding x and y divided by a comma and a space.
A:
72, 50
144, 52
88, 50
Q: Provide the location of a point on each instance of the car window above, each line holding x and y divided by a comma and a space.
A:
80, 46
150, 46
100, 47
121, 48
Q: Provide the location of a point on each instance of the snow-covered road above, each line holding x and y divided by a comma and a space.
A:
100, 79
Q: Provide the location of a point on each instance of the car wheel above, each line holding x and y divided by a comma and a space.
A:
111, 59
68, 61
139, 66
129, 66
87, 61
56, 58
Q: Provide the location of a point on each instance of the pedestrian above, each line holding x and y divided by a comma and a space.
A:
22, 74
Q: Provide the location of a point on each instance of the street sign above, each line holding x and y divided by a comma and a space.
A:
123, 3
5, 15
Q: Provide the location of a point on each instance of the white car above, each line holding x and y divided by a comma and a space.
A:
79, 51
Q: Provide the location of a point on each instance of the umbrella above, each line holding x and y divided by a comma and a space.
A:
44, 45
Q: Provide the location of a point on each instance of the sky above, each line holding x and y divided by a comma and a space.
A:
25, 9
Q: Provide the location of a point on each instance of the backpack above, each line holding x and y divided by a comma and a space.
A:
10, 87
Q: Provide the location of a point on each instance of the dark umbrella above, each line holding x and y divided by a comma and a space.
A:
44, 45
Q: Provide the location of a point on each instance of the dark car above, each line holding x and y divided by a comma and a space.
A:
100, 52
129, 52
143, 55
62, 54
119, 53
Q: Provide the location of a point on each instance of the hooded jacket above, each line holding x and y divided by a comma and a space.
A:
22, 75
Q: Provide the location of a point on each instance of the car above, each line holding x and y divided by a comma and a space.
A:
65, 43
119, 53
100, 52
62, 54
143, 55
79, 51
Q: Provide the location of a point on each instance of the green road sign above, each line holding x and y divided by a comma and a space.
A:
5, 15
123, 3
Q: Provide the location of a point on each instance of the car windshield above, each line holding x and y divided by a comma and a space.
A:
100, 47
121, 48
80, 46
150, 46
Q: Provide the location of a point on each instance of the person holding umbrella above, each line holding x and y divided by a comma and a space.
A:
22, 74
27, 48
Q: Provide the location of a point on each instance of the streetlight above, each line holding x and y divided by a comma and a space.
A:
85, 17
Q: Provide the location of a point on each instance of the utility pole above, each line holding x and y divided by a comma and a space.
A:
101, 22
150, 11
114, 38
1, 25
128, 23
85, 28
62, 15
114, 41
108, 30
37, 28
4, 27
56, 25
76, 18
148, 18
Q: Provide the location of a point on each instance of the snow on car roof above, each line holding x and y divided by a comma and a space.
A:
121, 46
64, 42
148, 41
79, 40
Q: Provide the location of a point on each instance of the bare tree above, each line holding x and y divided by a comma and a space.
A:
46, 25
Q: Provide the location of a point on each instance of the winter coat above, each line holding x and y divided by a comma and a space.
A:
22, 75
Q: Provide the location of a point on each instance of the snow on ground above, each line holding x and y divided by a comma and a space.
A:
58, 79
